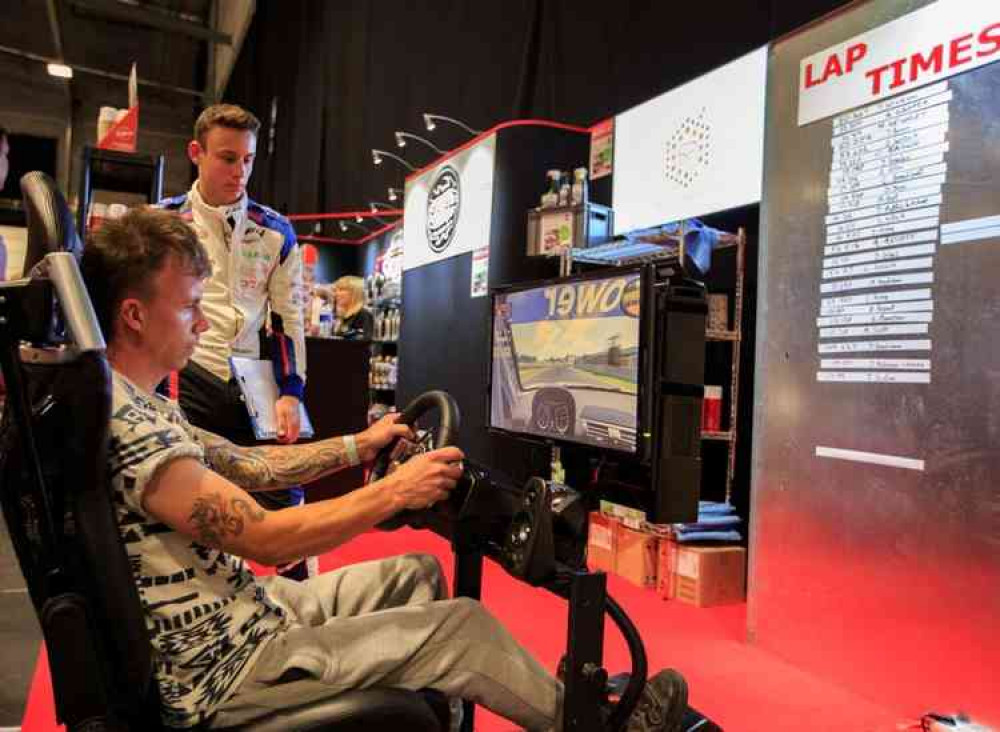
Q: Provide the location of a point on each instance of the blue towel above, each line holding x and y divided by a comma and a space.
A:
714, 507
711, 523
699, 240
683, 537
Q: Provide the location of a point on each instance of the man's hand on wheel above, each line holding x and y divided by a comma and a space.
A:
427, 478
379, 435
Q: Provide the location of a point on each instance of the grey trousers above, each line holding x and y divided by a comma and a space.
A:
388, 623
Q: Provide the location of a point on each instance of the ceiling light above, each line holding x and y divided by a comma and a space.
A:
60, 71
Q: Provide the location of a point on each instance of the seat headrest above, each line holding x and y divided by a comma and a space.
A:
50, 223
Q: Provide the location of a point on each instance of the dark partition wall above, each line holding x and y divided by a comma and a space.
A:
445, 338
876, 495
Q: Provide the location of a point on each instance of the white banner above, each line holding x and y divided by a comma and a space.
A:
693, 150
930, 44
448, 209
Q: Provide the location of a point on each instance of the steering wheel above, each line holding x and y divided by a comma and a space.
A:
433, 439
448, 423
443, 436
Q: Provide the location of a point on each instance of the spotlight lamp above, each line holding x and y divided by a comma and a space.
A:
402, 136
376, 205
344, 224
378, 155
431, 126
60, 71
395, 194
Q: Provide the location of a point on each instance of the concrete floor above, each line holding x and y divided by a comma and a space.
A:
20, 636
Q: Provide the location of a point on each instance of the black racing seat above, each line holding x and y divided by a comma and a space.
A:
57, 503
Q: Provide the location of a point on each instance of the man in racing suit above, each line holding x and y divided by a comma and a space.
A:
256, 271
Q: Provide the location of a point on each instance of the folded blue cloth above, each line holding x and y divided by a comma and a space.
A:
699, 240
708, 522
714, 507
684, 537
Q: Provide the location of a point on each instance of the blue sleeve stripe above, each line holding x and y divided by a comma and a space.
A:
271, 219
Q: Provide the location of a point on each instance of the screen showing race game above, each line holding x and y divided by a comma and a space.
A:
565, 361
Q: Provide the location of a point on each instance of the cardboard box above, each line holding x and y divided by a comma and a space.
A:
602, 537
634, 518
636, 556
702, 575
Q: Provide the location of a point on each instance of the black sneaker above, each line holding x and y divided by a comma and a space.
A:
662, 704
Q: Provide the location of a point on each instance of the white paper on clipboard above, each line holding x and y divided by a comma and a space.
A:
260, 391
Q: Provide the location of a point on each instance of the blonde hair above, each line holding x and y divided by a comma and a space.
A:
355, 286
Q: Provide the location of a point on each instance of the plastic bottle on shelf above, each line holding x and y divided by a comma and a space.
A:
565, 188
326, 321
550, 198
117, 210
98, 213
580, 186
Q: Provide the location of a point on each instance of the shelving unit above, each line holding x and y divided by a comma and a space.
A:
381, 347
737, 245
109, 176
663, 246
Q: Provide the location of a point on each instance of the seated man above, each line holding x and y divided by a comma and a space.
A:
229, 646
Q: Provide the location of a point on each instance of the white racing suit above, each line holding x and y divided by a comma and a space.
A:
256, 262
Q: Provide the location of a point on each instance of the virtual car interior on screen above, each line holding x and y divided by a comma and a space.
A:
566, 361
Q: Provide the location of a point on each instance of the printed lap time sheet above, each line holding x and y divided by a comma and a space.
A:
889, 164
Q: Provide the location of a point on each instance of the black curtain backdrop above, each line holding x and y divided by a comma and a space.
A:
343, 76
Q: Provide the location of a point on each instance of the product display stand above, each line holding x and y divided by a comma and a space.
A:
109, 176
383, 379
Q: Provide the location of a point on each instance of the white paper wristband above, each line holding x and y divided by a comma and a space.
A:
352, 450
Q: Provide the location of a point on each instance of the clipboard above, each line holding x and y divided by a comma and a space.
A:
260, 391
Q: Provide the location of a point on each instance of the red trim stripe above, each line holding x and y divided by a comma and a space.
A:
346, 215
353, 242
174, 385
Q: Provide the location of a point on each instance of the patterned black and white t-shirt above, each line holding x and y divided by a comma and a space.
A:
207, 615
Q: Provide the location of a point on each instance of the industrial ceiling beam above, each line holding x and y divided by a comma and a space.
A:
53, 12
145, 16
100, 72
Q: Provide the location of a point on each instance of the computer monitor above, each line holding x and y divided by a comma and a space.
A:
567, 360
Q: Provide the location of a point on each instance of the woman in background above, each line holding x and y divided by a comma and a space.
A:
354, 321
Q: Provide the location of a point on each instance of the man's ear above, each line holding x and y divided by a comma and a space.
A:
132, 314
194, 150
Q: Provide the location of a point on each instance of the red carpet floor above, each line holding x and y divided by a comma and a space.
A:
739, 686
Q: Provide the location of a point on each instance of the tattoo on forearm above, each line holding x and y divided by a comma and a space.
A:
269, 467
213, 520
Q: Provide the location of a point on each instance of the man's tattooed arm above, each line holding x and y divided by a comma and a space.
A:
214, 520
269, 467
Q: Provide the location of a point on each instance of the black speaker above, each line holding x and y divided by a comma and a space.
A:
680, 372
529, 549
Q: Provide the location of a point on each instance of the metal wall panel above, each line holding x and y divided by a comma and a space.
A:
881, 577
